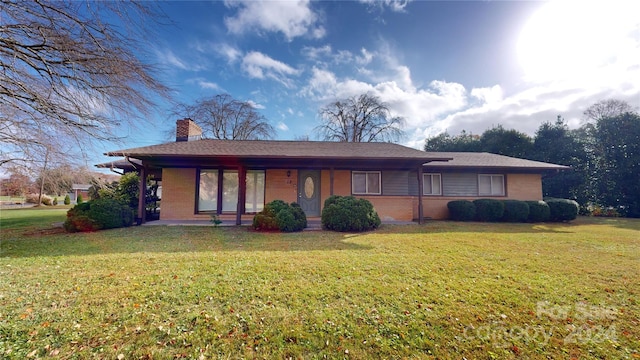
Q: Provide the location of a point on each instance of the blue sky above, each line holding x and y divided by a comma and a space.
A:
442, 65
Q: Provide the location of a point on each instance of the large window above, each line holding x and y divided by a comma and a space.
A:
255, 191
431, 184
365, 182
208, 195
211, 183
229, 190
489, 184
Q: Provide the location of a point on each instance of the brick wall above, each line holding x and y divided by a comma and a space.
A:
280, 187
524, 186
391, 208
178, 194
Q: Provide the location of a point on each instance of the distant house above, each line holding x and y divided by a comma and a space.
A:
202, 177
79, 189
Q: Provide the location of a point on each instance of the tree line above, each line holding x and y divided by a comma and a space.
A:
604, 155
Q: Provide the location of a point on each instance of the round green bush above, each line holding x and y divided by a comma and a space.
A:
278, 215
538, 211
97, 215
489, 209
562, 209
346, 213
67, 200
515, 211
461, 210
79, 199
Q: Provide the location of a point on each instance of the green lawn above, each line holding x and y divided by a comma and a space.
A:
439, 290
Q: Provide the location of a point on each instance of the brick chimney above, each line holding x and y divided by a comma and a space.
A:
187, 130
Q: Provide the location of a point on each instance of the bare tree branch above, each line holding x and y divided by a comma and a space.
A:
359, 119
223, 117
66, 73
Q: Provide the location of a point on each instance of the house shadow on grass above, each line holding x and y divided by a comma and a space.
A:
170, 239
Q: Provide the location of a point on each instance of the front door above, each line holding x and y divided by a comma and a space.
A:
309, 192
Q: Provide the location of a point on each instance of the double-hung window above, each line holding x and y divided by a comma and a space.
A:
431, 184
366, 183
490, 184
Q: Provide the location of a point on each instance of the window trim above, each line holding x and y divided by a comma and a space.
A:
424, 180
491, 181
366, 173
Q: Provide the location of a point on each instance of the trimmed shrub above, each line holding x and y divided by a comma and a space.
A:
278, 215
461, 210
562, 209
97, 215
47, 200
55, 201
538, 211
347, 213
515, 211
33, 199
79, 199
489, 209
67, 200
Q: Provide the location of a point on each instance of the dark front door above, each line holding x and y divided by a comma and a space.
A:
309, 192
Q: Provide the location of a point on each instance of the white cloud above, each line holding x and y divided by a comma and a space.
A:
260, 66
364, 58
315, 53
204, 84
394, 5
291, 18
256, 105
167, 57
282, 126
229, 52
489, 94
419, 107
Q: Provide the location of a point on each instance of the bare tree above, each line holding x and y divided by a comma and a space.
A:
73, 70
607, 109
223, 117
361, 118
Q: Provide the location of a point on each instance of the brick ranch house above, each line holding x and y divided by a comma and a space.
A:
201, 177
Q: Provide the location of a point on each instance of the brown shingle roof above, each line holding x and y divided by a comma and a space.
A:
278, 149
488, 160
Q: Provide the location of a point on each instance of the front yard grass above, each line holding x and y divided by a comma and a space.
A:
439, 290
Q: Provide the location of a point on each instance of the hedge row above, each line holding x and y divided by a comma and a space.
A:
513, 210
97, 215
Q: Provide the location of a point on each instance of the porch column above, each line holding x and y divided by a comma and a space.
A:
420, 187
242, 193
142, 192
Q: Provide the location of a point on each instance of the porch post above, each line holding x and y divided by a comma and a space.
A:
420, 186
142, 192
242, 193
